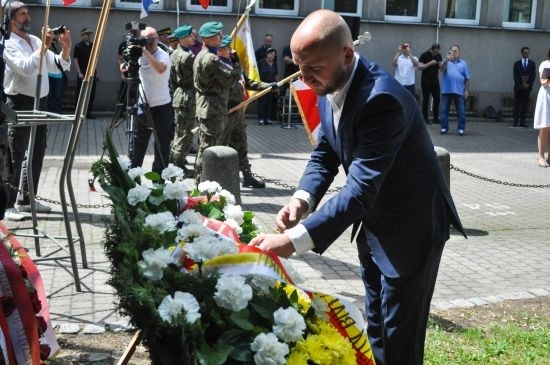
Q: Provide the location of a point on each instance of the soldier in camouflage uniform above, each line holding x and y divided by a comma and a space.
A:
235, 132
212, 78
183, 100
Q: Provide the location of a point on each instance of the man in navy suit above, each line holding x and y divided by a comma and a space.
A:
395, 195
524, 77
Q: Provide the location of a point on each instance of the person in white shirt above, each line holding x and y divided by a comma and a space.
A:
22, 55
405, 64
154, 73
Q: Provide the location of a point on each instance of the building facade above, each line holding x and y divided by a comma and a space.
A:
489, 32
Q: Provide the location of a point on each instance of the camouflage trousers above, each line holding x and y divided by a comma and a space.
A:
211, 133
185, 121
235, 137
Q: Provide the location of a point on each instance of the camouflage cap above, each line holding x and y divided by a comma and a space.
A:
226, 41
164, 31
210, 29
181, 32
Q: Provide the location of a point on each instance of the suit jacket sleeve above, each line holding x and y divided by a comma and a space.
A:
377, 136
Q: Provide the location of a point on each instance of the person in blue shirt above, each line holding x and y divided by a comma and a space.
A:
455, 82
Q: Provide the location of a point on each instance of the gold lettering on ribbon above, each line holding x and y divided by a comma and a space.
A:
347, 326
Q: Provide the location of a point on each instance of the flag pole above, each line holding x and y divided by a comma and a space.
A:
365, 37
264, 91
242, 18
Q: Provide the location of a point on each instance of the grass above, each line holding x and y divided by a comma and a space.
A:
525, 342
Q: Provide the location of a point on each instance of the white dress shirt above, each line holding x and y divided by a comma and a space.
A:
22, 63
299, 235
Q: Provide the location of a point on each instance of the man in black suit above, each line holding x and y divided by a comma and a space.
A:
395, 195
524, 77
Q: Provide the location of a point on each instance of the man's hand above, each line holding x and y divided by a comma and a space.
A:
280, 244
290, 214
66, 44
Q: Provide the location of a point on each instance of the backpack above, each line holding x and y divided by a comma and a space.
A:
490, 112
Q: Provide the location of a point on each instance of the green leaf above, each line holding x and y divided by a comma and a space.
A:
242, 319
264, 306
153, 176
214, 355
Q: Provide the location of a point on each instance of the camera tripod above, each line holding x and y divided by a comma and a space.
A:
132, 97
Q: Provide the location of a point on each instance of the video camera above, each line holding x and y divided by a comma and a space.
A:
133, 49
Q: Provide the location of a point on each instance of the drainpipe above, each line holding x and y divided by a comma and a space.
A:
438, 22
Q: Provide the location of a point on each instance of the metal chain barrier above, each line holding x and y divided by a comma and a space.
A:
293, 187
50, 201
506, 183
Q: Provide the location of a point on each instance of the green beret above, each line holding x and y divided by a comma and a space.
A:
181, 32
210, 29
226, 41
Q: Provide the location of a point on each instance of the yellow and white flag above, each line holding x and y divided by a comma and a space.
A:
242, 44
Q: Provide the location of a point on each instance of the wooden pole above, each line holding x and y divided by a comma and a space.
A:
263, 92
365, 37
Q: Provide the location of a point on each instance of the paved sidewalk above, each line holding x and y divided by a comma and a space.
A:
506, 254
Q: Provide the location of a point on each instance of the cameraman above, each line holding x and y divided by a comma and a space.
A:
22, 55
154, 73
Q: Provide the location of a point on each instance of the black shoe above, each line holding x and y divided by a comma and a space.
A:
250, 181
90, 116
523, 125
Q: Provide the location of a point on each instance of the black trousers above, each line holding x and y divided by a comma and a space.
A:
19, 140
431, 87
521, 104
163, 124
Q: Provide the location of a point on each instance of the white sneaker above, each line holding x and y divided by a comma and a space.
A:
39, 207
12, 214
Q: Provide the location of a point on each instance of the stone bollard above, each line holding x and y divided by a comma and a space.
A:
444, 159
221, 164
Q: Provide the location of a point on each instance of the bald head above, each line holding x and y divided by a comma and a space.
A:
322, 28
322, 47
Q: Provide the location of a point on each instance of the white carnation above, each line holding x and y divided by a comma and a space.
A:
138, 194
229, 198
320, 306
235, 225
190, 216
210, 187
234, 212
262, 283
162, 222
192, 231
171, 307
232, 292
205, 248
176, 190
154, 262
289, 325
124, 162
268, 350
136, 172
171, 172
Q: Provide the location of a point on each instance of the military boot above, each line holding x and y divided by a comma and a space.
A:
250, 181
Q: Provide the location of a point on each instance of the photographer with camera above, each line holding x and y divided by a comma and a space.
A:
455, 85
22, 55
405, 64
154, 98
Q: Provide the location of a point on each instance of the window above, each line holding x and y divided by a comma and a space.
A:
76, 3
462, 12
404, 10
277, 7
344, 7
224, 6
136, 4
519, 14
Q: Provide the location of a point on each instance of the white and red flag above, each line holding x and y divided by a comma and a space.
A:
306, 100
